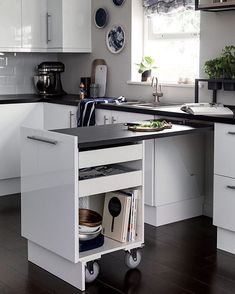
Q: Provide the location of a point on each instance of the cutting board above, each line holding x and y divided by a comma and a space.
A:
99, 75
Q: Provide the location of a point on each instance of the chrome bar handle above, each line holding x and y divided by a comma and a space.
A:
231, 187
71, 114
113, 120
44, 140
105, 119
49, 28
231, 133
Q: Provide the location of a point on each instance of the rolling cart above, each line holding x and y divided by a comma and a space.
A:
51, 189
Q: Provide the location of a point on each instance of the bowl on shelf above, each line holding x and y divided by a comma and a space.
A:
85, 236
89, 218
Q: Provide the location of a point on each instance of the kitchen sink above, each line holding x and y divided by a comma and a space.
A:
149, 104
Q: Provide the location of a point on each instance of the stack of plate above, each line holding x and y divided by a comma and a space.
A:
89, 224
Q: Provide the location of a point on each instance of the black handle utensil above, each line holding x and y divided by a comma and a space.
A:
115, 208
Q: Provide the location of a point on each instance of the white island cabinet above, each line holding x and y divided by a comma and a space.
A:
51, 189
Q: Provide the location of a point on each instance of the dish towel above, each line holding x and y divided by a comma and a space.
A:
86, 110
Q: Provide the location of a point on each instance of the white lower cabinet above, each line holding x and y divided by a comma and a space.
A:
12, 118
58, 116
51, 190
224, 186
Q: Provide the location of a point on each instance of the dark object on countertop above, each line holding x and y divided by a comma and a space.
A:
48, 81
86, 110
91, 244
86, 81
89, 218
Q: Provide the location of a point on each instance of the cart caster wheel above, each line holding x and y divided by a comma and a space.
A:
91, 271
133, 258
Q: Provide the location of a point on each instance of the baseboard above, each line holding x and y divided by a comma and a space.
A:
226, 240
170, 213
9, 186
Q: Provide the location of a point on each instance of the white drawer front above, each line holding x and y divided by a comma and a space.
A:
110, 183
225, 150
224, 202
110, 155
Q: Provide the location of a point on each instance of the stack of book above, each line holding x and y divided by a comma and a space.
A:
120, 215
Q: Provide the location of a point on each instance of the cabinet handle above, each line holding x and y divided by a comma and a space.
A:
231, 133
71, 114
113, 120
231, 187
105, 119
44, 140
49, 28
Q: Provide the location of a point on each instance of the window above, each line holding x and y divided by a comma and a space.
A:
173, 41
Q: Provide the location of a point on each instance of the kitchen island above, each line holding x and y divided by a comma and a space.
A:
50, 165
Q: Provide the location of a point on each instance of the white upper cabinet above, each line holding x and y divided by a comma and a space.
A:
45, 25
69, 25
10, 24
34, 24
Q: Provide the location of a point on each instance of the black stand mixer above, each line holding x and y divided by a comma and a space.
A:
48, 80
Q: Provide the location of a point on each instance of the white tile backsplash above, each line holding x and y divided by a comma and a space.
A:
17, 71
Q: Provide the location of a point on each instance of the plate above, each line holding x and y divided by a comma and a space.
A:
118, 2
101, 18
139, 128
115, 39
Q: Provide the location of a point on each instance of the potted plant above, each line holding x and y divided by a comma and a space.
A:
145, 68
213, 68
228, 65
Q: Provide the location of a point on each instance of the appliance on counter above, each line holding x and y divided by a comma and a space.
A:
213, 109
48, 79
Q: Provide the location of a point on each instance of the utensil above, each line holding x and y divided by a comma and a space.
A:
115, 208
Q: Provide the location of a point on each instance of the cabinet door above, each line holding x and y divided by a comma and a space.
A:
224, 202
10, 23
77, 25
224, 150
12, 117
54, 23
58, 116
49, 184
179, 168
34, 24
103, 117
125, 117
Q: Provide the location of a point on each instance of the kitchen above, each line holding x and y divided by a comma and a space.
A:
172, 244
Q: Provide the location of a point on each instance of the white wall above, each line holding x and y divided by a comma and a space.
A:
17, 71
119, 65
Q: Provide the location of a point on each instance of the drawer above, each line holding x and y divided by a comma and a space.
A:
110, 155
224, 202
110, 183
224, 163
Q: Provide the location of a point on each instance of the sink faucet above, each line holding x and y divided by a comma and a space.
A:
158, 89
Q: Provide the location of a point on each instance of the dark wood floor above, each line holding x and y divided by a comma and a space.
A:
178, 259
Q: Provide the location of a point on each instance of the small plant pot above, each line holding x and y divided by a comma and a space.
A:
228, 86
146, 75
214, 85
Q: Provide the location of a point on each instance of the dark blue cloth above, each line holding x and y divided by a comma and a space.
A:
86, 110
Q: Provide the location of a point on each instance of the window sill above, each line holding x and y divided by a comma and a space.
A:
164, 84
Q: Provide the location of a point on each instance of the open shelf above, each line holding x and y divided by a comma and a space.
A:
109, 246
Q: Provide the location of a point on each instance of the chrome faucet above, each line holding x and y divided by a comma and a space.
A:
157, 94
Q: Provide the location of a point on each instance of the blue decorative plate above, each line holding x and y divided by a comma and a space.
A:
118, 2
101, 17
115, 39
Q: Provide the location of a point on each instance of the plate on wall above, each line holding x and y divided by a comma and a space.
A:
115, 39
101, 18
118, 2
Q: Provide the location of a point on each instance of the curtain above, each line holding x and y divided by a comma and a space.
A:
166, 6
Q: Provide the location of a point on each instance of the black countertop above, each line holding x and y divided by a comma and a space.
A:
34, 98
168, 111
107, 135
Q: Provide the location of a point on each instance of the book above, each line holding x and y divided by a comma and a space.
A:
131, 235
116, 215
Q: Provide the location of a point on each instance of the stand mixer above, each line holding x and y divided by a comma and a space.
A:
48, 80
